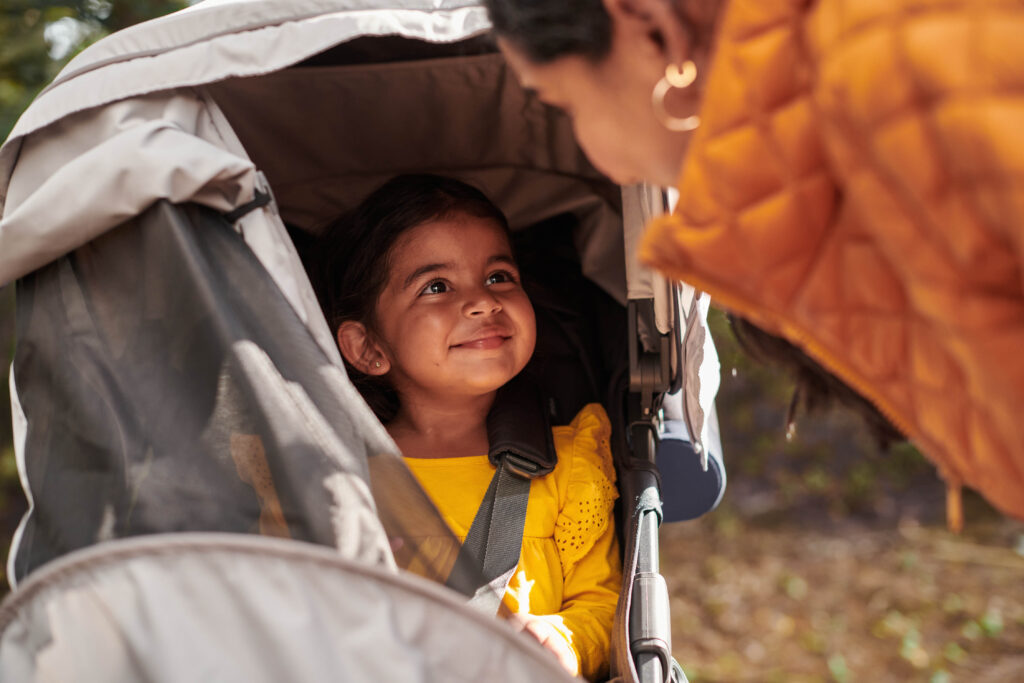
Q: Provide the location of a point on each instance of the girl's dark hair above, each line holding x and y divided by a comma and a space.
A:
548, 29
349, 264
816, 387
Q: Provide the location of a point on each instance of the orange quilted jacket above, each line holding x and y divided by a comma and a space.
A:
857, 185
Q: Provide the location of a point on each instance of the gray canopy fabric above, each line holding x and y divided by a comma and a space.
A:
217, 607
214, 40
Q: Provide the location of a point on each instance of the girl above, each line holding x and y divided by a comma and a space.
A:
431, 318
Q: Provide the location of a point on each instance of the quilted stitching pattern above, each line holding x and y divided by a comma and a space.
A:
858, 185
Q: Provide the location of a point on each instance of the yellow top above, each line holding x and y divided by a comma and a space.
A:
569, 570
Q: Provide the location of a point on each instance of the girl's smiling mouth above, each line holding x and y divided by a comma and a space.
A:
486, 339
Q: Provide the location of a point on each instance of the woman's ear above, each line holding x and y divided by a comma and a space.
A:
662, 22
360, 350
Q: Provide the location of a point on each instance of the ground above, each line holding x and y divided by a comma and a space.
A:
829, 560
810, 599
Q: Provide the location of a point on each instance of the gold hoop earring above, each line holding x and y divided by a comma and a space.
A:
676, 76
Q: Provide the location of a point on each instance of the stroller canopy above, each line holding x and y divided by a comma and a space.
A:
139, 97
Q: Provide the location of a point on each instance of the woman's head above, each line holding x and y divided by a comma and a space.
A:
600, 60
421, 289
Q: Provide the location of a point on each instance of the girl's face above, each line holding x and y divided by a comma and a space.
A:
453, 319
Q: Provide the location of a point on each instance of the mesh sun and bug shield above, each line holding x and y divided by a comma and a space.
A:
168, 386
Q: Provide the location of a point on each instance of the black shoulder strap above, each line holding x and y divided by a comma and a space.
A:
521, 448
518, 424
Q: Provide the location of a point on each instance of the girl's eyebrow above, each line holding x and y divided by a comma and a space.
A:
423, 270
502, 258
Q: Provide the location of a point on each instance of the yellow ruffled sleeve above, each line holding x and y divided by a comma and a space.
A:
586, 541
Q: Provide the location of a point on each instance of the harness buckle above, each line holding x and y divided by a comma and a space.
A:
521, 466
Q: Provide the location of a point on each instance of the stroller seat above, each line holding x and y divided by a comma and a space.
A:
251, 386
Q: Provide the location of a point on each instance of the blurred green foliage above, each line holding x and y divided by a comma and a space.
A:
37, 37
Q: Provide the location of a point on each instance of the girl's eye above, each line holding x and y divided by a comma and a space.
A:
435, 287
500, 276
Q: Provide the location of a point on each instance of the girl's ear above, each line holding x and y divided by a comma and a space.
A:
359, 349
659, 21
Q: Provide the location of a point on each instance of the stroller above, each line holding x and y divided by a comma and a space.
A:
179, 401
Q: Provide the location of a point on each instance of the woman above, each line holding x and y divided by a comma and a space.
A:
851, 177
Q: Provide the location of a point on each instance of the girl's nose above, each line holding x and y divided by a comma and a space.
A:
483, 304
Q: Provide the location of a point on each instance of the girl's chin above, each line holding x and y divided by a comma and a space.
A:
484, 388
483, 385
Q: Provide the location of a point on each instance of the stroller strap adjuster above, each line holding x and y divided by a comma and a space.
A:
260, 200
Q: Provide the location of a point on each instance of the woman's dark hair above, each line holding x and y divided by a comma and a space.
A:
548, 29
816, 387
350, 262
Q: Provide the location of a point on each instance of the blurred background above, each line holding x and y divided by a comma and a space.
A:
827, 560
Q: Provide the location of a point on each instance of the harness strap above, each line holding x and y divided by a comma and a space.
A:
495, 538
521, 449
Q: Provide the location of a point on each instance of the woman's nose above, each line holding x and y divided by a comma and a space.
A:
482, 304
